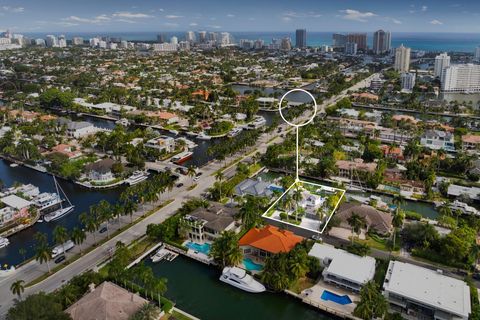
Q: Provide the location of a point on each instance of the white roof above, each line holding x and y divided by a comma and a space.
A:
345, 265
428, 287
15, 202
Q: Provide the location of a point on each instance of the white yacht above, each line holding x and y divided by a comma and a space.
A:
4, 242
257, 123
123, 122
234, 132
239, 278
46, 200
136, 177
62, 211
203, 136
463, 207
58, 250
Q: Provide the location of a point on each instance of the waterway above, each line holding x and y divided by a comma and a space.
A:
195, 288
82, 198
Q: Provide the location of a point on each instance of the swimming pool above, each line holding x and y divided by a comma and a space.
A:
203, 248
273, 187
251, 266
330, 296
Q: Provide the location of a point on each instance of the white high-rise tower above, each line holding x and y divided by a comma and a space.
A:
402, 59
441, 62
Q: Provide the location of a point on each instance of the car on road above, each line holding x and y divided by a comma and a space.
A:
103, 230
60, 259
196, 178
316, 237
199, 174
180, 185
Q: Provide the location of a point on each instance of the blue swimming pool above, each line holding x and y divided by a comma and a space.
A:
273, 187
330, 296
203, 248
251, 266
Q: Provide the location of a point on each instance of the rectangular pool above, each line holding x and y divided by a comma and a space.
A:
203, 248
330, 296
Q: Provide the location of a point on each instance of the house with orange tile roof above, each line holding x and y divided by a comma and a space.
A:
201, 93
392, 152
262, 243
471, 142
67, 150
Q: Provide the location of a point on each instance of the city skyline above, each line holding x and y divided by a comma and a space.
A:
146, 15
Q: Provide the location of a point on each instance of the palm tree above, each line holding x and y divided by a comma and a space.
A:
60, 235
219, 176
357, 223
78, 237
148, 311
398, 218
372, 303
191, 172
18, 288
225, 249
92, 227
43, 254
129, 207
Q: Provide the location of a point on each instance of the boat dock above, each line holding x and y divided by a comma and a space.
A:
164, 254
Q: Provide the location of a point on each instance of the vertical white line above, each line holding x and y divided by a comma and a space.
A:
298, 157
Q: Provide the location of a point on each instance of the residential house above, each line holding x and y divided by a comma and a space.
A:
67, 150
436, 140
471, 142
257, 188
376, 220
347, 168
105, 302
420, 293
262, 243
206, 224
77, 129
100, 171
391, 152
163, 144
18, 208
343, 269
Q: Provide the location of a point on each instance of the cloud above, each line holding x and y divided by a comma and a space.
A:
131, 15
126, 21
286, 19
170, 24
66, 24
215, 26
230, 15
436, 22
294, 15
424, 8
193, 24
393, 20
355, 15
13, 9
96, 20
172, 16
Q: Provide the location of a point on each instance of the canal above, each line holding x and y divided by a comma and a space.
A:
195, 288
81, 197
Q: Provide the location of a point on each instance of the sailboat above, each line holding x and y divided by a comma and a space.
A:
57, 214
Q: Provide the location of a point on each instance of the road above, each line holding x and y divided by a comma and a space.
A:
33, 269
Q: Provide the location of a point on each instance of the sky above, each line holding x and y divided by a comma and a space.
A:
246, 15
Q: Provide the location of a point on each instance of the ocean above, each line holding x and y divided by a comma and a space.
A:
432, 42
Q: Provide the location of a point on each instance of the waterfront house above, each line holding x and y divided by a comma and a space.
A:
257, 188
206, 224
471, 143
376, 220
260, 243
100, 171
19, 207
343, 269
67, 150
163, 144
456, 190
106, 301
420, 293
437, 139
77, 129
346, 168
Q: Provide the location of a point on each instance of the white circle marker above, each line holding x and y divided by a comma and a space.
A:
314, 109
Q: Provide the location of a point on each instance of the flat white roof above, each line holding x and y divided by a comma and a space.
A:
428, 287
344, 264
15, 202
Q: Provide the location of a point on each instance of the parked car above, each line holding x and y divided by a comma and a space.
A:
180, 185
103, 230
60, 259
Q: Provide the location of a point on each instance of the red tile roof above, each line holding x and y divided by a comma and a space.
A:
270, 239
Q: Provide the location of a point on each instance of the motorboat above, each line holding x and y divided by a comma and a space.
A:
13, 165
182, 157
239, 278
203, 136
46, 200
4, 242
234, 132
463, 207
137, 177
123, 122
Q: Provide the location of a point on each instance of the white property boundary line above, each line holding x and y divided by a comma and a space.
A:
264, 215
297, 158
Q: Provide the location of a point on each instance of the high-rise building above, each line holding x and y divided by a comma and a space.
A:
382, 42
477, 54
301, 38
461, 78
441, 62
51, 41
77, 41
190, 36
226, 39
213, 36
408, 81
402, 59
339, 40
351, 48
258, 44
160, 38
174, 40
202, 36
359, 38
286, 44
